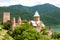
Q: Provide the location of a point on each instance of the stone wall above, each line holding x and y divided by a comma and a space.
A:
6, 17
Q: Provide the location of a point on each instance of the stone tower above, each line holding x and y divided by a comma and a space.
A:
13, 24
36, 16
6, 17
19, 21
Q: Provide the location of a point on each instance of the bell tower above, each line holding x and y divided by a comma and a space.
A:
36, 16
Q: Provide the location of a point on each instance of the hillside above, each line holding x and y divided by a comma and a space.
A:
50, 14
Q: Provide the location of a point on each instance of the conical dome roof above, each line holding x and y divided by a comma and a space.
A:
36, 14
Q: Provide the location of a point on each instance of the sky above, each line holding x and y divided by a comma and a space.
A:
29, 2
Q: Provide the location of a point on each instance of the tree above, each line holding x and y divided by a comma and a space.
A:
27, 32
6, 25
56, 35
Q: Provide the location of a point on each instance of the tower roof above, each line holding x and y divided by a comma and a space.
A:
36, 14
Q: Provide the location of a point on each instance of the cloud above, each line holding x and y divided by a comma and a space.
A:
28, 2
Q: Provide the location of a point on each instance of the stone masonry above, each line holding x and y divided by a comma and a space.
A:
13, 24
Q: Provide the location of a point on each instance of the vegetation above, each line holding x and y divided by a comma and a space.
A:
6, 26
26, 32
4, 35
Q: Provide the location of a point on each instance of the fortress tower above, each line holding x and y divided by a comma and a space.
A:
19, 21
36, 16
6, 17
13, 24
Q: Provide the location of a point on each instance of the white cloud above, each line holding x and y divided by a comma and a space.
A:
28, 2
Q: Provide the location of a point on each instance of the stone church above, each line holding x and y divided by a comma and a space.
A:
37, 23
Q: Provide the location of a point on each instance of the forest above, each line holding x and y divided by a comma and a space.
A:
25, 32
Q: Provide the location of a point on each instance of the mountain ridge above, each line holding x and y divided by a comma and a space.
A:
49, 13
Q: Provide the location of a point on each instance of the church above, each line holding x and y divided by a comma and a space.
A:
37, 23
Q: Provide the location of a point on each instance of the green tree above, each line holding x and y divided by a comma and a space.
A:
27, 32
6, 25
56, 35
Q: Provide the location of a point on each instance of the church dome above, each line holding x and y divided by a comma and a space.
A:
36, 14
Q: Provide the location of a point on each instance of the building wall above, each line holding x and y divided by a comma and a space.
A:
12, 23
36, 18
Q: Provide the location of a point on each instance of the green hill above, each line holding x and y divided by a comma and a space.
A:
50, 14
